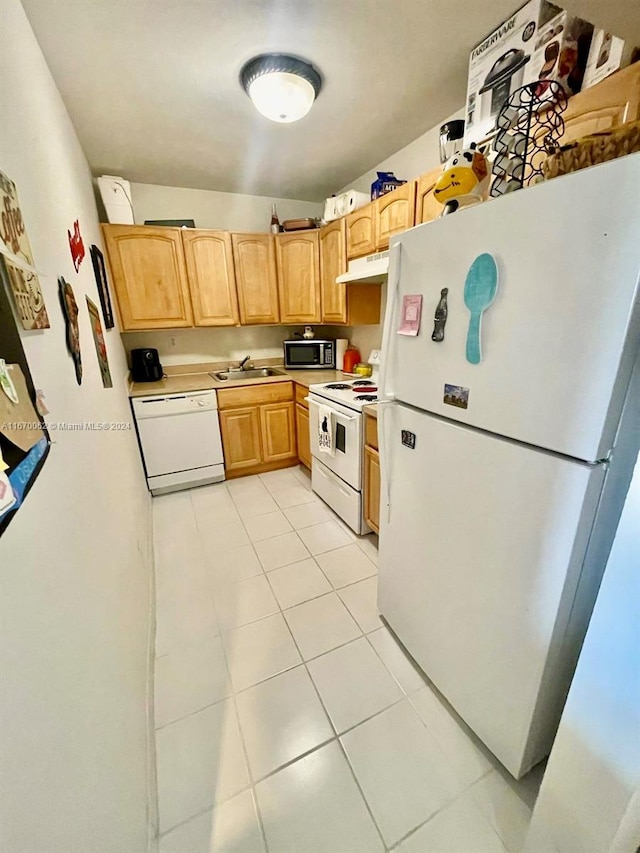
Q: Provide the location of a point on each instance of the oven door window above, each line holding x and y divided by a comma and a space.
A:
341, 438
303, 354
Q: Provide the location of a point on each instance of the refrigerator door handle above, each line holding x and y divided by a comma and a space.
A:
395, 255
385, 455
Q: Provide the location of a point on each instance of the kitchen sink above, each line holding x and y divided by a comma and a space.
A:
252, 373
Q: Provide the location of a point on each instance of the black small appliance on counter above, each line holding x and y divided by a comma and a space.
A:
145, 365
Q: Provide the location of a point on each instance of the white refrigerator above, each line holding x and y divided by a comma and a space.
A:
505, 465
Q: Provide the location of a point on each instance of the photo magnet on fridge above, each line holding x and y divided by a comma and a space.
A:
410, 315
456, 395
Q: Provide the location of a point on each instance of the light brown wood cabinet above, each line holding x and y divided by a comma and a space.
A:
302, 426
298, 266
255, 268
344, 304
361, 231
371, 474
427, 208
370, 227
610, 103
149, 276
258, 428
395, 212
278, 431
240, 429
212, 280
333, 262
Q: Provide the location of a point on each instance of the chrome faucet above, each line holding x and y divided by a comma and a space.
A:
244, 361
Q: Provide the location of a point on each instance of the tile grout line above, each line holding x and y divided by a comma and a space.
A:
337, 736
242, 737
236, 691
443, 808
244, 745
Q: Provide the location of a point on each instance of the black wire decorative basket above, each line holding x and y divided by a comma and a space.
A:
530, 126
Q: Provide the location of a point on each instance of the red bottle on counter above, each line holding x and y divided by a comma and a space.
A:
351, 358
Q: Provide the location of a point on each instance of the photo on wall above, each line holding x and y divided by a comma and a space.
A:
70, 313
101, 347
24, 440
27, 296
13, 232
100, 272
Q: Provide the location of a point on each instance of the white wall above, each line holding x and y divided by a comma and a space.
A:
223, 211
589, 801
409, 162
74, 563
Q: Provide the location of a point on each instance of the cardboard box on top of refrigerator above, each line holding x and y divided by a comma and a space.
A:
561, 53
512, 56
605, 56
498, 66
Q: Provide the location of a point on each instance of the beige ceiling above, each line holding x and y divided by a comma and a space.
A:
152, 85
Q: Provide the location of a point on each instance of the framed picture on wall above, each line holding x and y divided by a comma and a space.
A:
100, 272
24, 439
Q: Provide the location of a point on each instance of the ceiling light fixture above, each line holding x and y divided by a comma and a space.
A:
282, 87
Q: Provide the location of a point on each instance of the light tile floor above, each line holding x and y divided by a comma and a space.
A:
288, 717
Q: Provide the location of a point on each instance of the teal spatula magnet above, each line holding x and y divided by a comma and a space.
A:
479, 292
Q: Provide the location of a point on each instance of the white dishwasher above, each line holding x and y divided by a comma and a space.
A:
180, 440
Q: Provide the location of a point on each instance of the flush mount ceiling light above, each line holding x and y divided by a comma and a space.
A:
282, 87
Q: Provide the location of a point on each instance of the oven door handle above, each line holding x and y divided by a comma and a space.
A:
336, 414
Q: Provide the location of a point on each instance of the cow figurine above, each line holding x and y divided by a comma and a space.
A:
464, 181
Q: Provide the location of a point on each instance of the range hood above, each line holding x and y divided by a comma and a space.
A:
370, 270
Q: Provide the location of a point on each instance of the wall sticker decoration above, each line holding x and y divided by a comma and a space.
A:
76, 245
27, 296
100, 272
101, 348
24, 441
70, 312
13, 232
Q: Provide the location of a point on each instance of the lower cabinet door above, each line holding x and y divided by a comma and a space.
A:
277, 421
240, 430
302, 427
372, 488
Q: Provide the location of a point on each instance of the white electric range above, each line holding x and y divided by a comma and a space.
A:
337, 477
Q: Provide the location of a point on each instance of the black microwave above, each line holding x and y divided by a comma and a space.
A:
305, 355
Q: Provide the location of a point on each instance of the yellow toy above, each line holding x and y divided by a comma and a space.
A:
464, 181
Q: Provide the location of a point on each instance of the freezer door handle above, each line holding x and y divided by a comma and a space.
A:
395, 256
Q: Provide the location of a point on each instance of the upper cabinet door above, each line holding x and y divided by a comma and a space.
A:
395, 213
212, 279
254, 262
427, 208
612, 102
361, 231
333, 262
298, 261
149, 276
